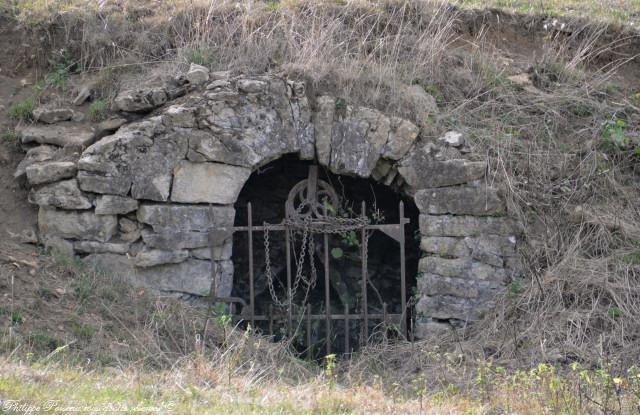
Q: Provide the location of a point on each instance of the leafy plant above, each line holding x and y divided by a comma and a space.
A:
9, 136
613, 130
337, 253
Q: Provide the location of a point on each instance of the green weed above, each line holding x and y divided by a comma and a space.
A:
98, 110
22, 110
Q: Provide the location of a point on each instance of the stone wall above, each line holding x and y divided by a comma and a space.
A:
132, 194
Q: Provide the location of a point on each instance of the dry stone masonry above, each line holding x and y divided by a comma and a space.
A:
132, 195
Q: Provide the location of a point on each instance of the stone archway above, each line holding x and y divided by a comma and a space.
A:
141, 200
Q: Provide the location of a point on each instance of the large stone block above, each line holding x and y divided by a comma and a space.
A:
463, 268
357, 141
460, 200
191, 276
432, 284
171, 239
63, 134
445, 246
223, 148
421, 170
446, 225
63, 195
323, 124
153, 257
444, 307
52, 115
166, 217
208, 183
76, 225
113, 265
115, 205
402, 136
51, 171
35, 155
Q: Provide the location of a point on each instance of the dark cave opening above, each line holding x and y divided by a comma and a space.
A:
267, 189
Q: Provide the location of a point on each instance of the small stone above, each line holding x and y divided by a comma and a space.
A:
197, 74
250, 86
57, 244
51, 171
63, 195
83, 95
153, 257
402, 136
140, 100
218, 84
214, 76
423, 105
34, 155
127, 225
93, 247
452, 138
115, 205
52, 115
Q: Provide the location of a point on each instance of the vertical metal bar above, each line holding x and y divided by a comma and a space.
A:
270, 319
289, 299
251, 289
327, 299
365, 312
403, 282
384, 319
346, 328
309, 330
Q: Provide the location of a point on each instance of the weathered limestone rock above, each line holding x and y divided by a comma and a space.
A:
492, 249
463, 268
222, 148
251, 86
180, 116
219, 252
452, 138
126, 225
421, 171
357, 141
402, 136
76, 225
446, 225
197, 74
139, 157
460, 200
115, 205
445, 307
52, 171
109, 126
169, 239
63, 195
165, 217
423, 104
35, 155
58, 244
153, 257
113, 265
430, 328
83, 95
323, 123
191, 276
93, 247
62, 134
445, 246
431, 284
208, 183
140, 100
52, 115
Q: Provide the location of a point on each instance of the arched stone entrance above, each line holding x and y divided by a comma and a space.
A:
141, 200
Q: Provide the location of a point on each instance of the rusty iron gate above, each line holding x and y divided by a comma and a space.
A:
311, 205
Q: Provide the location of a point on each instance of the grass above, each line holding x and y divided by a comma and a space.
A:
622, 12
98, 110
22, 110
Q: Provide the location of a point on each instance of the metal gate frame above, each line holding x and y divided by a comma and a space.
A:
395, 231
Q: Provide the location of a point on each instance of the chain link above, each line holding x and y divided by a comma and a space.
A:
308, 227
